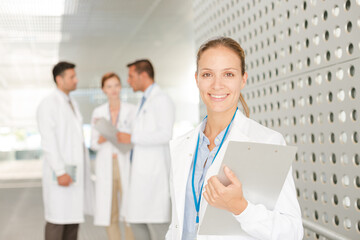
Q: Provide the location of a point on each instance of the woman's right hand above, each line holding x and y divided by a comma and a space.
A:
101, 140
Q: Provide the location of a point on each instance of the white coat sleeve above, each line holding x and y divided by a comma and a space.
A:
47, 123
170, 233
284, 222
94, 145
165, 114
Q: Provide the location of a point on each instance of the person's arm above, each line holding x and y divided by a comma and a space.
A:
165, 114
46, 118
284, 222
173, 210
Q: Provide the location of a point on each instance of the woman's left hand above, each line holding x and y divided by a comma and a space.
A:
229, 198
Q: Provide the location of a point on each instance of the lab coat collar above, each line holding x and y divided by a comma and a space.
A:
149, 93
63, 95
182, 160
77, 114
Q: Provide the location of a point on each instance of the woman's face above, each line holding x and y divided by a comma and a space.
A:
112, 88
219, 79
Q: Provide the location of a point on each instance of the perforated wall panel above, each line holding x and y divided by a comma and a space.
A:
303, 62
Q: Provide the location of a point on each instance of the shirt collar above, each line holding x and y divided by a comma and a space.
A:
148, 91
204, 139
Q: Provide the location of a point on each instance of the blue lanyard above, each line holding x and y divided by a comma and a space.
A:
196, 201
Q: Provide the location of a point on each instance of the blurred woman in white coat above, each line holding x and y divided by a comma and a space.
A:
112, 166
196, 157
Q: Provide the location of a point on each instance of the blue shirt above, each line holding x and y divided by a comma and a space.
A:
205, 158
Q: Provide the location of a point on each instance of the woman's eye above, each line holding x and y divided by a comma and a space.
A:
206, 75
229, 74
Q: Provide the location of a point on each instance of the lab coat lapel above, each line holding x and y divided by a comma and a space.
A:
66, 109
147, 100
181, 163
237, 133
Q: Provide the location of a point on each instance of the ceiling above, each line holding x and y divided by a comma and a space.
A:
98, 36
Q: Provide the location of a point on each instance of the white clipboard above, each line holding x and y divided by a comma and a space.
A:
108, 131
262, 170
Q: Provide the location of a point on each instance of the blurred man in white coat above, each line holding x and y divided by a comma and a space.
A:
67, 188
148, 199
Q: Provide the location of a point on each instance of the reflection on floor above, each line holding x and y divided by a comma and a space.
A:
22, 214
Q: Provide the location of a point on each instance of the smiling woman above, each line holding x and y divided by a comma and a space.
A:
220, 78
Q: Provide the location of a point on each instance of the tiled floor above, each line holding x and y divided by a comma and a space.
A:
21, 213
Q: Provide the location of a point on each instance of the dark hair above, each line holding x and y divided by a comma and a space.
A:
60, 68
143, 65
236, 48
108, 76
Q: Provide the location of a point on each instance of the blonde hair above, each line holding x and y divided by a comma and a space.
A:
232, 45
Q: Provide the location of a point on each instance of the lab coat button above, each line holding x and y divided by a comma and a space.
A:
176, 226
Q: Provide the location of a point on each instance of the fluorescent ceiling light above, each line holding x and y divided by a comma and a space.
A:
33, 8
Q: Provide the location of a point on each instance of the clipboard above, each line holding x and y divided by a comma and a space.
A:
262, 170
108, 131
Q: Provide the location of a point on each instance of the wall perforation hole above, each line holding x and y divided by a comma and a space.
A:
336, 10
345, 180
316, 39
355, 137
331, 117
357, 204
325, 218
350, 49
325, 15
316, 215
341, 95
319, 98
334, 180
344, 159
320, 118
322, 140
329, 76
323, 178
330, 97
348, 27
340, 74
346, 202
356, 159
347, 223
335, 200
314, 177
357, 182
338, 52
333, 158
337, 31
342, 116
351, 71
343, 137
332, 138
315, 196
347, 5
324, 198
326, 35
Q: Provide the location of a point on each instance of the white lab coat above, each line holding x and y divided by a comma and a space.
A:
282, 223
149, 194
63, 144
104, 163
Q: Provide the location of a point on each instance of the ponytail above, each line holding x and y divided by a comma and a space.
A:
244, 105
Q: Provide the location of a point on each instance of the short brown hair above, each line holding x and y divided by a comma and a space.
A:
236, 48
143, 65
60, 68
108, 76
